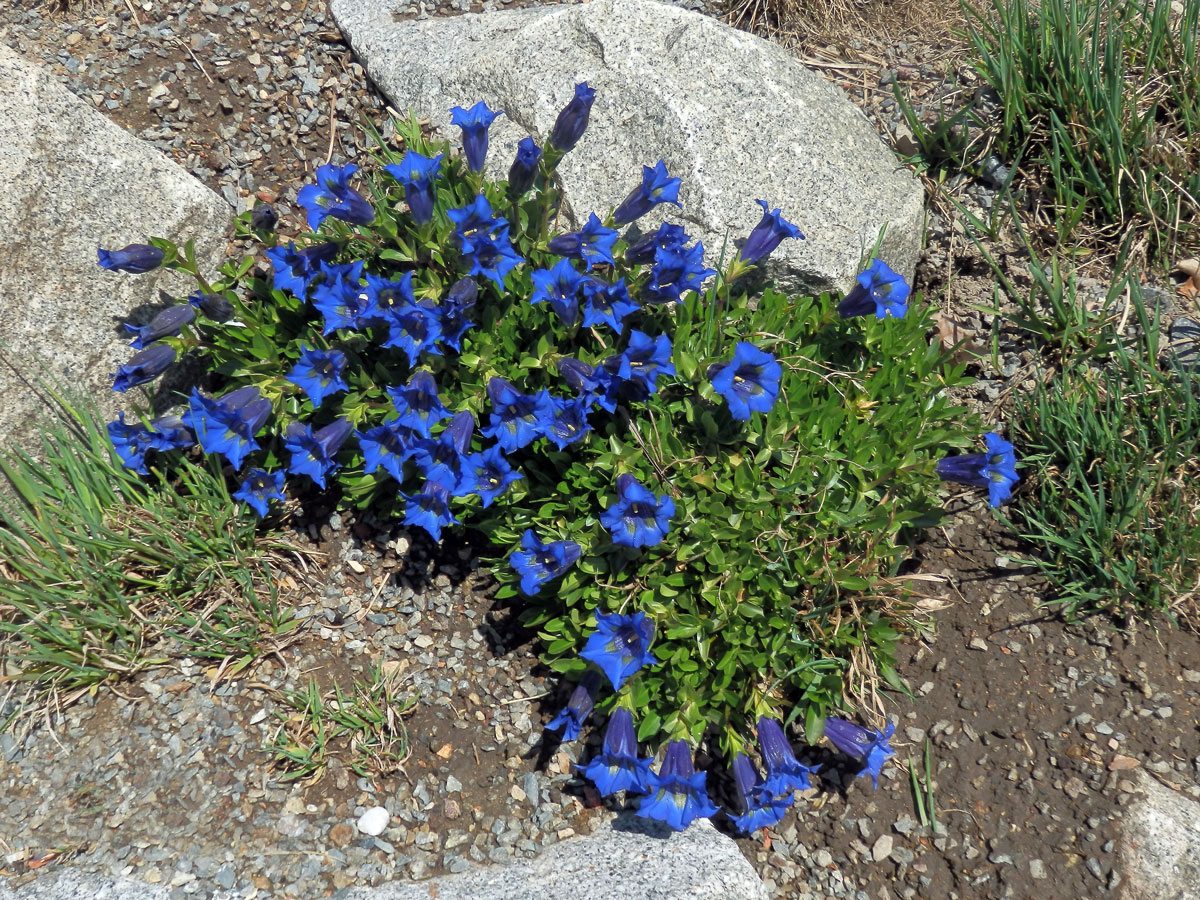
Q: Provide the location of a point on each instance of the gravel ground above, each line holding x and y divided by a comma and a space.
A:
1034, 726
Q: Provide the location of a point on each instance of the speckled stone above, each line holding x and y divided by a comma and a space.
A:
73, 182
736, 117
1161, 849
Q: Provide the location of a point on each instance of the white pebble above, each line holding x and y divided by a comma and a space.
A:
373, 821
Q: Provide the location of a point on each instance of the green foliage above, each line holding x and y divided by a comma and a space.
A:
772, 594
1099, 102
364, 722
1115, 512
103, 575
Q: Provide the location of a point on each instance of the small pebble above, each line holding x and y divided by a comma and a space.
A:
373, 821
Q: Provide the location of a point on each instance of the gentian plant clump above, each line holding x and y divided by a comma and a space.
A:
698, 489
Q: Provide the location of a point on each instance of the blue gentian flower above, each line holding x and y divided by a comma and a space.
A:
484, 240
676, 269
620, 645
644, 360
417, 173
319, 373
572, 716
143, 366
454, 323
524, 167
313, 452
567, 422
767, 234
215, 306
869, 747
607, 304
430, 509
645, 248
879, 290
492, 474
134, 258
418, 404
415, 328
333, 196
572, 121
560, 286
762, 810
538, 563
516, 419
593, 243
784, 772
388, 445
618, 767
474, 123
656, 187
638, 518
228, 424
677, 794
749, 382
295, 270
445, 460
133, 442
340, 298
259, 489
167, 323
996, 470
264, 218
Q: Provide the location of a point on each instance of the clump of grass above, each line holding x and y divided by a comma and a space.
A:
103, 576
364, 722
1099, 104
1114, 510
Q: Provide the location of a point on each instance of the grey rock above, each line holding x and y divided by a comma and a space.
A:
1185, 342
736, 117
1161, 847
74, 181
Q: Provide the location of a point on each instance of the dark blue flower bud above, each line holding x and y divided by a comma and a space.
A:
215, 306
573, 120
263, 217
167, 323
135, 258
144, 366
524, 167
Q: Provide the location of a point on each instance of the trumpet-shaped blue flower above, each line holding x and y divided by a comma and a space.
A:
618, 768
143, 366
656, 187
572, 121
415, 329
429, 509
418, 404
644, 360
996, 470
605, 303
869, 747
879, 290
572, 716
492, 474
445, 460
516, 419
296, 270
620, 645
538, 563
638, 518
676, 270
133, 442
524, 167
784, 772
593, 243
645, 248
319, 373
454, 310
341, 298
768, 234
474, 123
677, 793
333, 196
388, 445
559, 286
762, 810
749, 382
417, 173
259, 488
595, 386
228, 424
134, 258
313, 452
567, 422
167, 323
